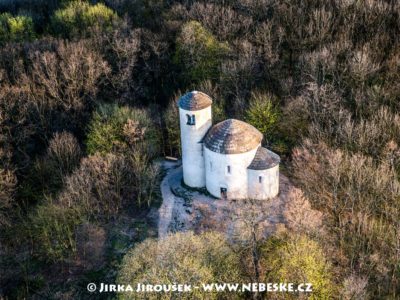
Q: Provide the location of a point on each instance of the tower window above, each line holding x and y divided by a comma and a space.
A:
228, 169
191, 119
260, 179
210, 166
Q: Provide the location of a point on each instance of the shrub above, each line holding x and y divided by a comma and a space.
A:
337, 181
100, 186
103, 185
333, 122
64, 83
171, 118
91, 244
122, 51
355, 287
222, 20
52, 228
47, 173
262, 114
218, 106
167, 261
199, 53
299, 215
146, 180
142, 13
240, 74
16, 28
78, 17
120, 129
298, 259
293, 123
359, 197
64, 153
8, 183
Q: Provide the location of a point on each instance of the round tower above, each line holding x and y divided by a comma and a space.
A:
229, 148
195, 120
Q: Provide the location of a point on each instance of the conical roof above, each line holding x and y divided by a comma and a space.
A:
194, 101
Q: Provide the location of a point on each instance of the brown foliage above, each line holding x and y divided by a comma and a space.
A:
122, 51
355, 288
91, 241
67, 77
56, 92
299, 215
334, 66
101, 185
359, 197
346, 182
8, 183
64, 153
333, 123
222, 20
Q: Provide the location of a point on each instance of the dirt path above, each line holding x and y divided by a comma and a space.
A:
169, 199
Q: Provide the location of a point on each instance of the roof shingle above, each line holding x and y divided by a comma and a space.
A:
232, 137
194, 101
264, 159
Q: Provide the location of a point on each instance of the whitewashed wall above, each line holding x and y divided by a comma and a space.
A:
217, 176
192, 154
269, 186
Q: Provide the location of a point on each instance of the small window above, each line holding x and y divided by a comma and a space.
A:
228, 169
224, 193
210, 166
191, 119
260, 179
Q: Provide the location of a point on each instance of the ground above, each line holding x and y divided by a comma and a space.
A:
184, 208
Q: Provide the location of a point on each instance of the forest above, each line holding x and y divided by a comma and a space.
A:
88, 93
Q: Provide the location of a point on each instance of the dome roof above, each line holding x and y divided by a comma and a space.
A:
194, 101
264, 159
232, 136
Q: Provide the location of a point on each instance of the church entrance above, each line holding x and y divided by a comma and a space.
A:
224, 193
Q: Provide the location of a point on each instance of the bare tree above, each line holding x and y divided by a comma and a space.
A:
247, 218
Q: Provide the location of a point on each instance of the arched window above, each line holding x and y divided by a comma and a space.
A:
228, 169
191, 119
260, 179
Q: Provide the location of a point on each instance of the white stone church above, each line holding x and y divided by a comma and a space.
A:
226, 158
